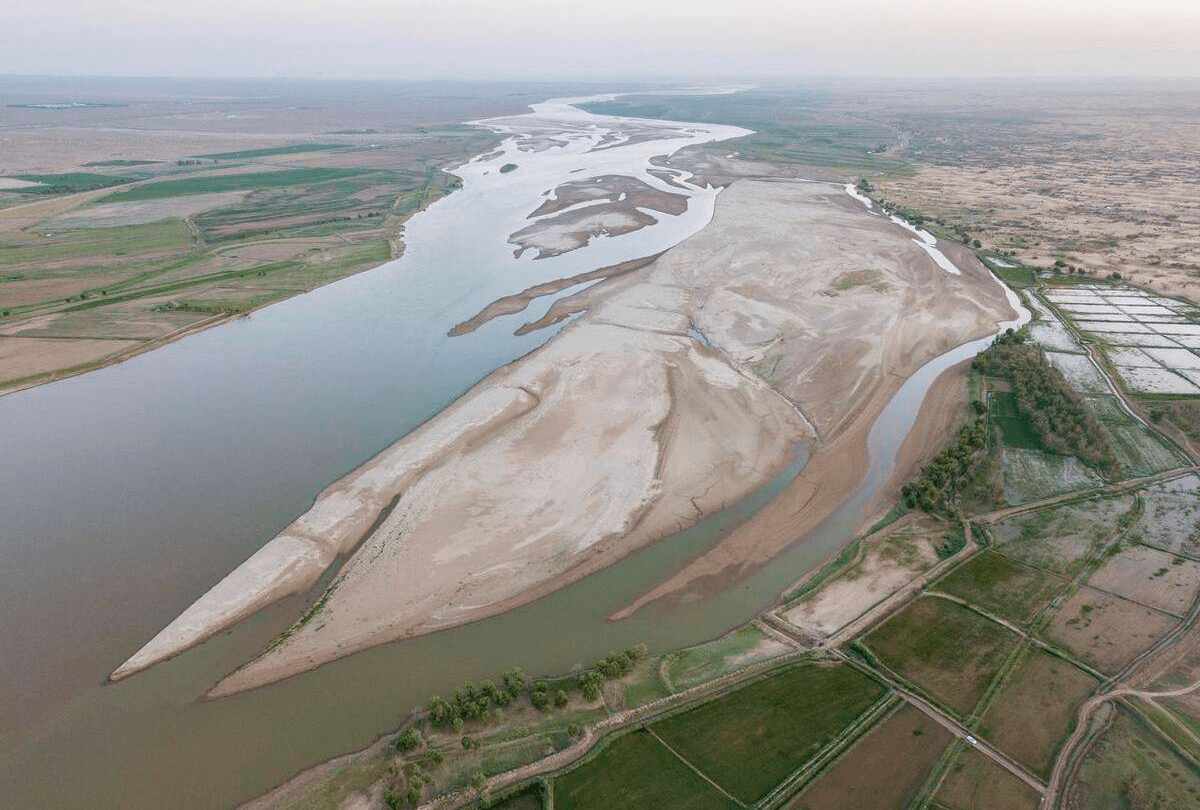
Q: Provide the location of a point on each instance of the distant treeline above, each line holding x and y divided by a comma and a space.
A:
1045, 399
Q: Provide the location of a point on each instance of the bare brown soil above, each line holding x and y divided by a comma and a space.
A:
1034, 711
1151, 577
977, 783
884, 771
1106, 630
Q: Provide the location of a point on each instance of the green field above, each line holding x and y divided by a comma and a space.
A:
944, 648
696, 665
67, 182
1007, 588
527, 799
295, 149
635, 771
750, 740
1014, 427
1139, 452
248, 181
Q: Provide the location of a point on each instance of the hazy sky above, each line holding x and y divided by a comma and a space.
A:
422, 39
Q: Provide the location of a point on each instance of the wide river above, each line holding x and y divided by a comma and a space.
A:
125, 493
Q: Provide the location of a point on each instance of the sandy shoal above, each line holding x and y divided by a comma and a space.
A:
682, 388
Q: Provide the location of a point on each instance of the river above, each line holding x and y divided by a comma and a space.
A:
127, 492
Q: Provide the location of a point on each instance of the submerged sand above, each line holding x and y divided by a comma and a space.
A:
683, 387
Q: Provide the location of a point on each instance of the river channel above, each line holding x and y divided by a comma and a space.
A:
125, 493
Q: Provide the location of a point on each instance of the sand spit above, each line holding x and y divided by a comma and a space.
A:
512, 304
623, 429
639, 430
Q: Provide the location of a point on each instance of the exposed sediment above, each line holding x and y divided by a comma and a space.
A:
624, 428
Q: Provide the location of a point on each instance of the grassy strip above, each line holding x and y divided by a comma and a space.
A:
250, 181
295, 149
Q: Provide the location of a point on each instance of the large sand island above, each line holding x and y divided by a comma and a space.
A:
683, 386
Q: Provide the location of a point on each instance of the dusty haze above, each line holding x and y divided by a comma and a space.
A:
418, 39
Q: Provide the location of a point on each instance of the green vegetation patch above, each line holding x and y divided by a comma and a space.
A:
528, 799
1014, 428
976, 783
294, 149
1007, 588
1044, 397
67, 182
1138, 451
944, 648
635, 771
702, 663
884, 771
1131, 767
248, 181
752, 739
1035, 710
99, 163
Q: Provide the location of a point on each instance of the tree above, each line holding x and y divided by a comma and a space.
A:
540, 699
514, 681
560, 698
478, 781
408, 740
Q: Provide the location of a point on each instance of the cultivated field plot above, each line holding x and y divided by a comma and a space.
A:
1123, 318
976, 783
1079, 371
1061, 538
883, 566
1030, 475
1157, 380
1106, 408
1054, 336
1171, 520
749, 741
1011, 590
635, 771
741, 648
1105, 630
528, 799
885, 770
1138, 451
948, 650
1014, 427
1130, 767
1035, 709
1150, 577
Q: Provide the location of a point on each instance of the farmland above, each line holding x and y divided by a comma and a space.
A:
112, 253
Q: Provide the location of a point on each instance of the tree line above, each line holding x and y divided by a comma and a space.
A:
1045, 399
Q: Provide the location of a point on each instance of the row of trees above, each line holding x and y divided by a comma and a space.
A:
1055, 412
483, 700
936, 490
